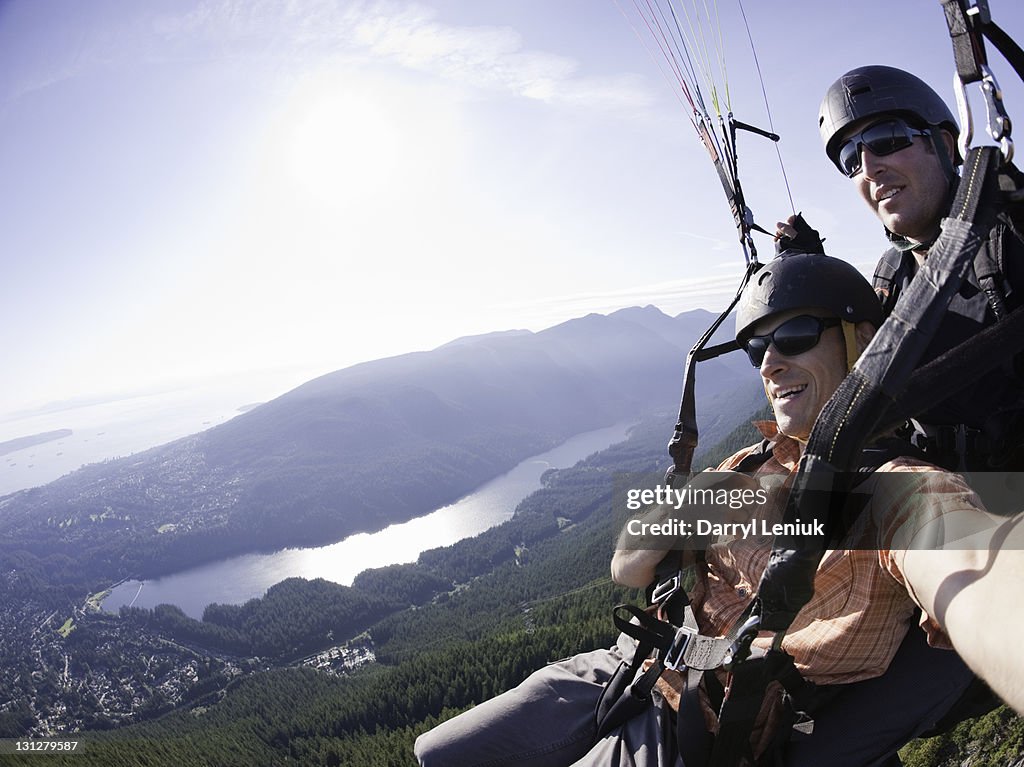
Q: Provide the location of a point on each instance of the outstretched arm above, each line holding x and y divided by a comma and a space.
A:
971, 588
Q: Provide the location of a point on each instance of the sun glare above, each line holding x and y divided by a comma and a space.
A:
356, 201
343, 147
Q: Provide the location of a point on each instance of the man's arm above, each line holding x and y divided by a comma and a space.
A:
639, 552
636, 561
972, 589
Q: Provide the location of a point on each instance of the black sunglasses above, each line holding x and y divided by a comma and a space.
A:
792, 337
881, 139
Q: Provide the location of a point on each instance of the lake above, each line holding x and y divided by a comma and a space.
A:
238, 579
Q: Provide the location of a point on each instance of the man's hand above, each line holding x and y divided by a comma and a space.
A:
796, 234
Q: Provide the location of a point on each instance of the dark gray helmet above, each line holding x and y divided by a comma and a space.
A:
879, 90
797, 280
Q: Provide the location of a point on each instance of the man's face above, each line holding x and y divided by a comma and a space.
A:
799, 386
908, 189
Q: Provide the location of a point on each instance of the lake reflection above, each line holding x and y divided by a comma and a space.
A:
236, 580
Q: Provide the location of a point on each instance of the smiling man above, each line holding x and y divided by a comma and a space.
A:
803, 320
896, 140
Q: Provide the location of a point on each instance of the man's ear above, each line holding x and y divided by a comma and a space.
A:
950, 143
865, 331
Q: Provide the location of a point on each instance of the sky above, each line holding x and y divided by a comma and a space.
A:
192, 189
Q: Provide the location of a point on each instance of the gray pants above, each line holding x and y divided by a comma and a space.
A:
547, 721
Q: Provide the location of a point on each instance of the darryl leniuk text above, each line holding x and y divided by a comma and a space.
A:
668, 514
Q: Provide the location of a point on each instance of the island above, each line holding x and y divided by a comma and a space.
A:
20, 443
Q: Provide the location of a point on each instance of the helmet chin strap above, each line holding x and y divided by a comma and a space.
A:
850, 339
942, 152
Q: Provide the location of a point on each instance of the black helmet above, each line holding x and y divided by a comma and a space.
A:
798, 280
878, 90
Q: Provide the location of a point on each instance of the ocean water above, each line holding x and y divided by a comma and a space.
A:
120, 427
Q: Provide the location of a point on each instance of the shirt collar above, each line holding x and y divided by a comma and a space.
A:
785, 450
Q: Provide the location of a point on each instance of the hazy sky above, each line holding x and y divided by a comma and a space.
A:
198, 188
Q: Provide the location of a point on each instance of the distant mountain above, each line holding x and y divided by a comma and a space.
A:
369, 445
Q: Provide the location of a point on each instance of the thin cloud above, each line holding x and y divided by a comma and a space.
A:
711, 293
717, 243
493, 57
672, 297
408, 34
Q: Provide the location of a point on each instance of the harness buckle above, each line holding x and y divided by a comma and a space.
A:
739, 650
666, 589
674, 656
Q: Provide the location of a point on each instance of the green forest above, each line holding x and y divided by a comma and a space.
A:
463, 624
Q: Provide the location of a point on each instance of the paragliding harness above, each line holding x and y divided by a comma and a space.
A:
884, 383
984, 446
961, 447
668, 627
993, 443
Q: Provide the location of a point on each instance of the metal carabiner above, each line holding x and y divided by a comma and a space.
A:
998, 125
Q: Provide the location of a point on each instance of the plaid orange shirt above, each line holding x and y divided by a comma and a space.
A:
861, 608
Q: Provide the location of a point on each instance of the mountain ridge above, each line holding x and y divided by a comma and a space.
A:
363, 447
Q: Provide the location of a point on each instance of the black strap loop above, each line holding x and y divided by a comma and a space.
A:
965, 32
684, 439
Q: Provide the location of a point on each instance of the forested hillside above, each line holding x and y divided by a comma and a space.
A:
67, 666
531, 591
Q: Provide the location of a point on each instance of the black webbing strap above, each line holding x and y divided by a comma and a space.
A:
968, 49
746, 691
626, 695
748, 682
684, 439
1006, 46
629, 701
879, 376
693, 740
965, 30
942, 377
649, 632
